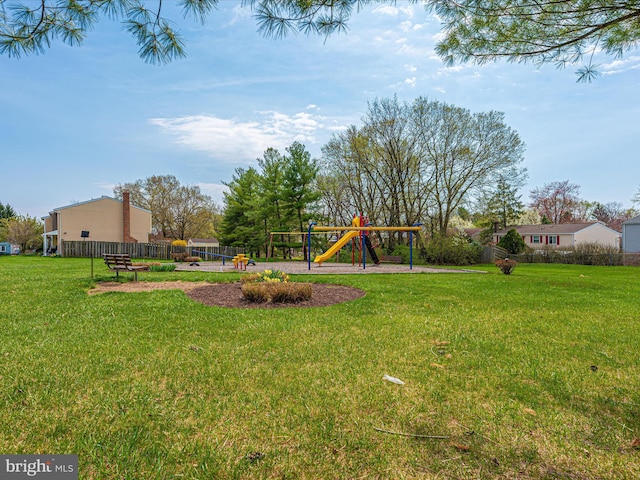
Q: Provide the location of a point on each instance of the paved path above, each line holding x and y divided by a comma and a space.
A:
300, 267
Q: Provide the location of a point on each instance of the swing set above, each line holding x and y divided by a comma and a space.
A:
360, 227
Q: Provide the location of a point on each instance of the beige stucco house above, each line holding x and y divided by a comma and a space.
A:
105, 219
564, 235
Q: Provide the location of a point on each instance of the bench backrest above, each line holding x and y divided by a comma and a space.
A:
121, 259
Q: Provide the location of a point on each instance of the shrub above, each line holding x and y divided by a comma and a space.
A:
455, 250
192, 259
273, 286
179, 257
276, 292
402, 251
512, 242
179, 243
507, 266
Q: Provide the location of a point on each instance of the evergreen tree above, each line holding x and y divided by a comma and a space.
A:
7, 211
504, 204
240, 225
512, 242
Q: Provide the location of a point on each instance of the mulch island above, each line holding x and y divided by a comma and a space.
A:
230, 294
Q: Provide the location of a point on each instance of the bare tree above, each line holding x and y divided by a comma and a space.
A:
178, 211
420, 161
557, 201
612, 214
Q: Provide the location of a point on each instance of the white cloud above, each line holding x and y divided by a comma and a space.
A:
410, 68
387, 10
311, 107
235, 141
106, 186
393, 11
214, 190
406, 26
410, 81
620, 66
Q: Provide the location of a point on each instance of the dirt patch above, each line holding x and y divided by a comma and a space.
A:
230, 294
104, 287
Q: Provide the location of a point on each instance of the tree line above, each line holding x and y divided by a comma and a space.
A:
423, 161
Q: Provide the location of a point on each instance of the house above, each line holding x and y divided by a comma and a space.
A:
203, 242
104, 219
631, 235
7, 248
564, 235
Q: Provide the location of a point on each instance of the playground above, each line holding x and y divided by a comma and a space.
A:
327, 268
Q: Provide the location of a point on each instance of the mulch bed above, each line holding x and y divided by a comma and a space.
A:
230, 295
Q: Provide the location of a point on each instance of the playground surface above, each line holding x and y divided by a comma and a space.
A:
330, 268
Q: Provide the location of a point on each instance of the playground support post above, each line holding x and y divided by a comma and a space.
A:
311, 225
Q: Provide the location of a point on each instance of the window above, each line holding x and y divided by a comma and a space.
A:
553, 240
536, 239
3, 249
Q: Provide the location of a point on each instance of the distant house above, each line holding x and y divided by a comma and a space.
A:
474, 234
104, 219
203, 242
564, 235
7, 248
631, 235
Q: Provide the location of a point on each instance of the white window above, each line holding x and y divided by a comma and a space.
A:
536, 239
553, 240
3, 249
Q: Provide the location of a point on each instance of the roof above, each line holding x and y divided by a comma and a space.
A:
203, 240
559, 229
103, 197
633, 221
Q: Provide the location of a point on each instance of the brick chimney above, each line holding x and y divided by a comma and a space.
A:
126, 218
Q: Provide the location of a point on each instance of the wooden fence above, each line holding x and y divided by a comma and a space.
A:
491, 253
140, 250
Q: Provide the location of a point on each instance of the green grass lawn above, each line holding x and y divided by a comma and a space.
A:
535, 375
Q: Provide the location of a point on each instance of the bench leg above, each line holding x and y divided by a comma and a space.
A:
135, 276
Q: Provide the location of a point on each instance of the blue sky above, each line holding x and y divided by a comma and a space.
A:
76, 121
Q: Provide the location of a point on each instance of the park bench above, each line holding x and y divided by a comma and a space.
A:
391, 258
122, 261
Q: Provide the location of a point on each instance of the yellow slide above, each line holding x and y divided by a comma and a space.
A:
336, 246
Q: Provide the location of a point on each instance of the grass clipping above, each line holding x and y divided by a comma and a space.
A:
273, 286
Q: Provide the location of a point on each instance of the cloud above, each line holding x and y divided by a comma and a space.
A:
105, 186
214, 190
235, 141
621, 66
410, 68
394, 11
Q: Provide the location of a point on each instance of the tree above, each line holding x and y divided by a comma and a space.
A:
636, 199
612, 214
241, 224
463, 155
420, 161
545, 31
178, 211
299, 190
22, 230
503, 203
512, 242
7, 211
556, 201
